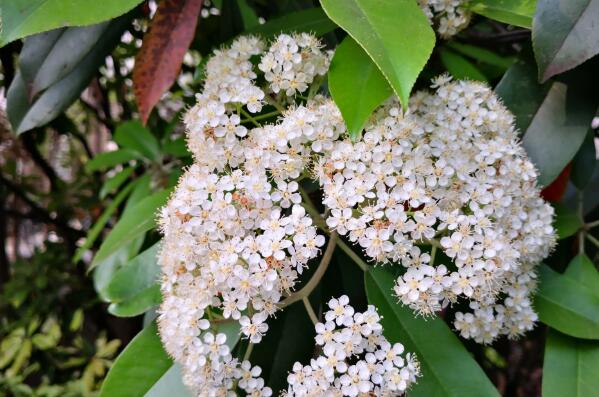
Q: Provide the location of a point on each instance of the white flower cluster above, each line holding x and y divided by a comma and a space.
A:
448, 16
356, 360
444, 189
292, 63
450, 175
235, 236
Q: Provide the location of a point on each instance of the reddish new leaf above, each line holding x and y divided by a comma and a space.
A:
555, 191
159, 60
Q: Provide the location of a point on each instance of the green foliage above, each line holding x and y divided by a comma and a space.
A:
513, 12
564, 35
373, 24
439, 351
22, 18
356, 85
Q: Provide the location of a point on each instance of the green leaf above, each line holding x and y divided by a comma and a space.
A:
482, 54
177, 148
567, 221
584, 162
567, 305
513, 12
570, 366
25, 114
139, 274
138, 367
557, 130
564, 34
356, 85
395, 34
132, 135
459, 67
115, 181
170, 384
135, 222
22, 18
248, 15
521, 92
312, 20
107, 160
138, 304
439, 351
582, 270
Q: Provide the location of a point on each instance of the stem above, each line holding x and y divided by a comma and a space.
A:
249, 117
320, 270
271, 101
310, 310
248, 351
353, 256
263, 116
433, 254
592, 240
591, 225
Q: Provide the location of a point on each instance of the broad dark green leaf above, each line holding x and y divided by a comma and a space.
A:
177, 148
521, 93
138, 367
584, 162
25, 115
482, 54
566, 304
356, 85
570, 366
132, 135
22, 18
459, 67
107, 160
170, 384
513, 12
447, 367
564, 34
134, 222
68, 51
567, 221
115, 181
248, 15
139, 274
137, 304
312, 20
394, 33
35, 50
582, 270
557, 130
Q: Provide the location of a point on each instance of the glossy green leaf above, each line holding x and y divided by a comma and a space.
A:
139, 274
134, 136
564, 34
584, 162
395, 34
566, 304
567, 222
22, 18
459, 67
557, 130
442, 356
138, 367
482, 54
513, 12
356, 85
582, 270
570, 366
69, 49
177, 148
170, 384
138, 220
521, 93
25, 114
115, 181
137, 304
312, 20
106, 160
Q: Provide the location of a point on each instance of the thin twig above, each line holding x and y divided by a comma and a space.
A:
592, 240
310, 310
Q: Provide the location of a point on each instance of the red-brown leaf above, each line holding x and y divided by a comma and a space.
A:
555, 191
159, 60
